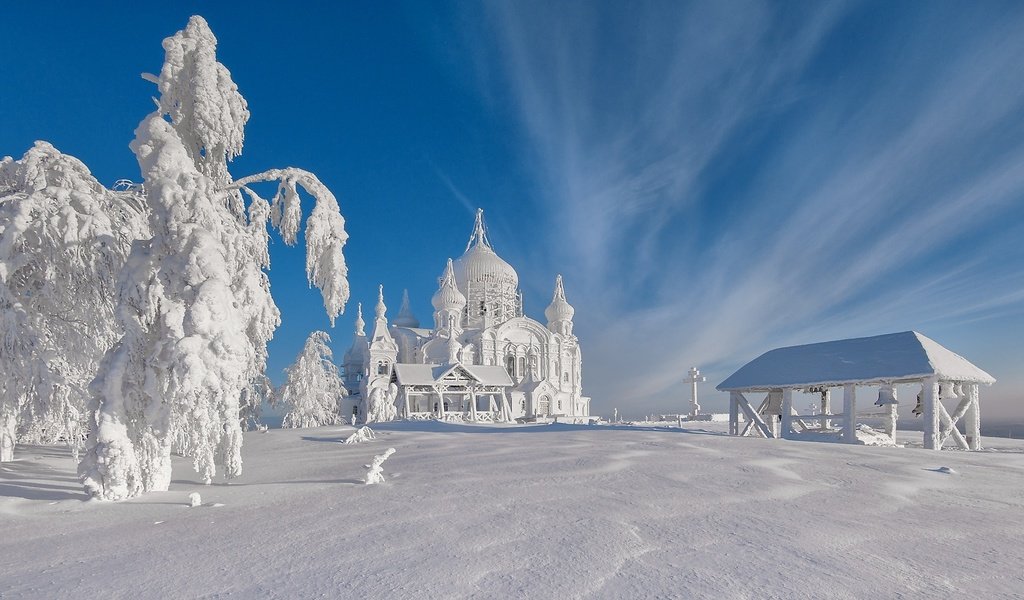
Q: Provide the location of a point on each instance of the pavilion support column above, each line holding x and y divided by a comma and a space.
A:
787, 413
734, 413
929, 397
972, 418
892, 417
472, 403
826, 408
850, 413
405, 394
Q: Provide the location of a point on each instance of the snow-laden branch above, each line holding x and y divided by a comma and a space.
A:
325, 230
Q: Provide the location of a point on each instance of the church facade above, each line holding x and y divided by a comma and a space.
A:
483, 359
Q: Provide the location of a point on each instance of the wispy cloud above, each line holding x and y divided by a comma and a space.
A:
729, 177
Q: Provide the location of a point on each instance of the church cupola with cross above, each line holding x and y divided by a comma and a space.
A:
490, 285
559, 313
449, 303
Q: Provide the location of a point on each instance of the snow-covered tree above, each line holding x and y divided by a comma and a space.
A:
313, 389
194, 299
63, 240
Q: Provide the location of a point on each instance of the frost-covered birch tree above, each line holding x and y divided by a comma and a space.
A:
313, 389
194, 299
63, 240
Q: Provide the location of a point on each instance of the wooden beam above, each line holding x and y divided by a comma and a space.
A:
951, 429
850, 413
787, 413
755, 418
929, 398
972, 420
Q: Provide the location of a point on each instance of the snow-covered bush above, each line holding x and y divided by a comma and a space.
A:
375, 470
363, 434
380, 402
194, 299
63, 240
313, 389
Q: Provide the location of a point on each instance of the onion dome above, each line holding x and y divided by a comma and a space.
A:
559, 309
479, 264
381, 307
360, 323
405, 317
448, 297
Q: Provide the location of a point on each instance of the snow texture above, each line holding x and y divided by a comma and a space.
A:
555, 511
313, 390
194, 500
879, 359
375, 470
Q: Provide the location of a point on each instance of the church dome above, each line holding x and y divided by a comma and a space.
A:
481, 265
448, 297
559, 309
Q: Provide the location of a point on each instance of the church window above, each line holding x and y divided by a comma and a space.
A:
355, 410
522, 366
565, 377
522, 405
382, 367
510, 365
559, 405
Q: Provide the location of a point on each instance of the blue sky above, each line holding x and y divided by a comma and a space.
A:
713, 179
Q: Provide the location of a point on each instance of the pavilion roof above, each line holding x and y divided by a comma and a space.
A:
890, 358
429, 374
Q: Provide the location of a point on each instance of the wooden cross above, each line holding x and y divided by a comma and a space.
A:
693, 380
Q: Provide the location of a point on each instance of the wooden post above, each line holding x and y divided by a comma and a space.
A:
972, 420
787, 413
850, 413
472, 403
929, 396
734, 413
826, 408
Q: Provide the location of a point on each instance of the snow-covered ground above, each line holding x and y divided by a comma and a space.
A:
551, 511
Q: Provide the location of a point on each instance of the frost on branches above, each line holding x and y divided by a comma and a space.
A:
375, 470
194, 300
313, 389
63, 240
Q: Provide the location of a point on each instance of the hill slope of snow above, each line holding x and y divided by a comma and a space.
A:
541, 512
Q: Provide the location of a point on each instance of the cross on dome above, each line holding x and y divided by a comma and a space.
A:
479, 235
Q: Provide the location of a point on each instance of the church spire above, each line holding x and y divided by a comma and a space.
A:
360, 323
405, 317
479, 235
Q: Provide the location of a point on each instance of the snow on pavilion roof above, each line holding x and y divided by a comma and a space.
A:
412, 374
889, 358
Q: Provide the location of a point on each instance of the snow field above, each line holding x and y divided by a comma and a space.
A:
553, 511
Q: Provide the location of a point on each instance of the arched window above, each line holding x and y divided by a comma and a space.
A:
382, 367
565, 377
510, 365
522, 366
559, 405
522, 405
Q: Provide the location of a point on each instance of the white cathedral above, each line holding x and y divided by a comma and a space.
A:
483, 360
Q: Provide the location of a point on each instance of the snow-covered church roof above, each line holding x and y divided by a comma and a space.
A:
889, 358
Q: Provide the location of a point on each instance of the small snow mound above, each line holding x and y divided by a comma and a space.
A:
946, 470
363, 434
217, 504
194, 500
